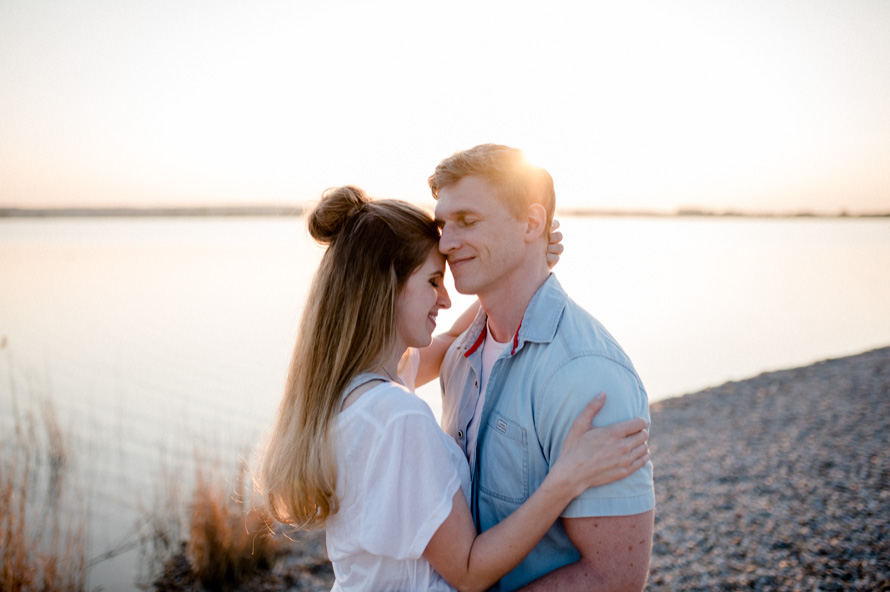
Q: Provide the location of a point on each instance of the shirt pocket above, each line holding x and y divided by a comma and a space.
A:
504, 468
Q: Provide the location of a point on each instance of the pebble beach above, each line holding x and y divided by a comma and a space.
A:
778, 482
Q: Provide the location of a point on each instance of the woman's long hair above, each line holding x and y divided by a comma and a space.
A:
348, 327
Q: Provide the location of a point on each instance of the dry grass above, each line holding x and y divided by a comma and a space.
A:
227, 542
41, 545
219, 536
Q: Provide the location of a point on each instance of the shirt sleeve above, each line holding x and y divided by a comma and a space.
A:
411, 483
572, 388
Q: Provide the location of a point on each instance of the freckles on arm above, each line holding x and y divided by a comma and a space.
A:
616, 549
615, 555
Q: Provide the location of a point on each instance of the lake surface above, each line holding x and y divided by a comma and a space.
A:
159, 339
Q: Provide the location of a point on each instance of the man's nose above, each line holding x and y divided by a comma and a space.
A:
448, 241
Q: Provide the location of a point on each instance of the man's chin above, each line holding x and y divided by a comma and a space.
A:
464, 288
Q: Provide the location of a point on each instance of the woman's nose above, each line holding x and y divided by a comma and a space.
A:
444, 300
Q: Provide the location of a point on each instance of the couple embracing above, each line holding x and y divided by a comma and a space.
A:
539, 477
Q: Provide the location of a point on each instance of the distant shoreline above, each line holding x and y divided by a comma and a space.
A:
297, 210
153, 212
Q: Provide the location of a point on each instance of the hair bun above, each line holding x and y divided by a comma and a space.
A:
338, 205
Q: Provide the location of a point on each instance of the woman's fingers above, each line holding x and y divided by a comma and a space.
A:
581, 425
554, 247
585, 418
630, 426
639, 462
598, 456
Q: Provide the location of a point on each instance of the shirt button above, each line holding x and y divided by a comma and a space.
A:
476, 383
460, 433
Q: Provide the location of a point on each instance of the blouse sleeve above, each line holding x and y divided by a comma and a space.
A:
411, 483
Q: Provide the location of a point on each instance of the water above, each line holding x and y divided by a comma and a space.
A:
157, 339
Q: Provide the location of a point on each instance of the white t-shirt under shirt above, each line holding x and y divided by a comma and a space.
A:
397, 475
491, 351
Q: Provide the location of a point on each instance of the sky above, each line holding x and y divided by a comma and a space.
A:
750, 106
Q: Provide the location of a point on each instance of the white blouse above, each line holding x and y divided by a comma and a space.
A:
397, 475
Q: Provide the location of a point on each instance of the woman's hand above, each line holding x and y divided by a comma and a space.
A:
597, 456
555, 247
590, 457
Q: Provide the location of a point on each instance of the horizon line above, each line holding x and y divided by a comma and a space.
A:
270, 210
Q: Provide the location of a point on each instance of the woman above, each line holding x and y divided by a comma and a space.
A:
353, 450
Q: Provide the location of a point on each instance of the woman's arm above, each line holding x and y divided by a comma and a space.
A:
432, 355
590, 457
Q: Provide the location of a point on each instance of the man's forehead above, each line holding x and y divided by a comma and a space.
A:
470, 196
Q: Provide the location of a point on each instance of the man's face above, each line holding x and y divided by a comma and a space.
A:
482, 240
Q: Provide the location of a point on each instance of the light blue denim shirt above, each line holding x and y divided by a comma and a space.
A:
561, 357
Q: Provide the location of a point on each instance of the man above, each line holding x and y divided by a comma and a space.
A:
531, 360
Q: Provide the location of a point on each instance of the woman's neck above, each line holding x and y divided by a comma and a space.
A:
390, 367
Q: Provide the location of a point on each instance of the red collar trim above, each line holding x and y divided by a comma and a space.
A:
478, 343
481, 339
516, 339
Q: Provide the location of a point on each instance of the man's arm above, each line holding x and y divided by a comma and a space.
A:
615, 548
615, 554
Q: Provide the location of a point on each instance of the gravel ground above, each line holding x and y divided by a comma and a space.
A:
779, 482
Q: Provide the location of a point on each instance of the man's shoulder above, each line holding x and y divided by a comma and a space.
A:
581, 335
565, 330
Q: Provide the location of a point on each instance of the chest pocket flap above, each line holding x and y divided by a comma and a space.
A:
503, 459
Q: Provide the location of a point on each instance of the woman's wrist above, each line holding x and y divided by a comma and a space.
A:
560, 485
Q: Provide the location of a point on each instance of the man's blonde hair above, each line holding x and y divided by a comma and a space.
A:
518, 183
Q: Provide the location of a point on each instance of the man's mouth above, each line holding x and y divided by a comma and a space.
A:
458, 261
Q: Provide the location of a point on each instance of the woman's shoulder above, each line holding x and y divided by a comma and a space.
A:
401, 398
391, 401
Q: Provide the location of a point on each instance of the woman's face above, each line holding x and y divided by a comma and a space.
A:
420, 300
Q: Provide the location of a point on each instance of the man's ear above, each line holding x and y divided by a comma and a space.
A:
536, 223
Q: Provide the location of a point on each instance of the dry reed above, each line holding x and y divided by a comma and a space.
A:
229, 541
41, 548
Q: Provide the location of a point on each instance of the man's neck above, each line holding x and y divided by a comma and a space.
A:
506, 304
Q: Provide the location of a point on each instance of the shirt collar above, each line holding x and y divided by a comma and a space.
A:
539, 323
541, 318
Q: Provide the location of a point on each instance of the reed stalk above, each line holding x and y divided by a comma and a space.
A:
41, 545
